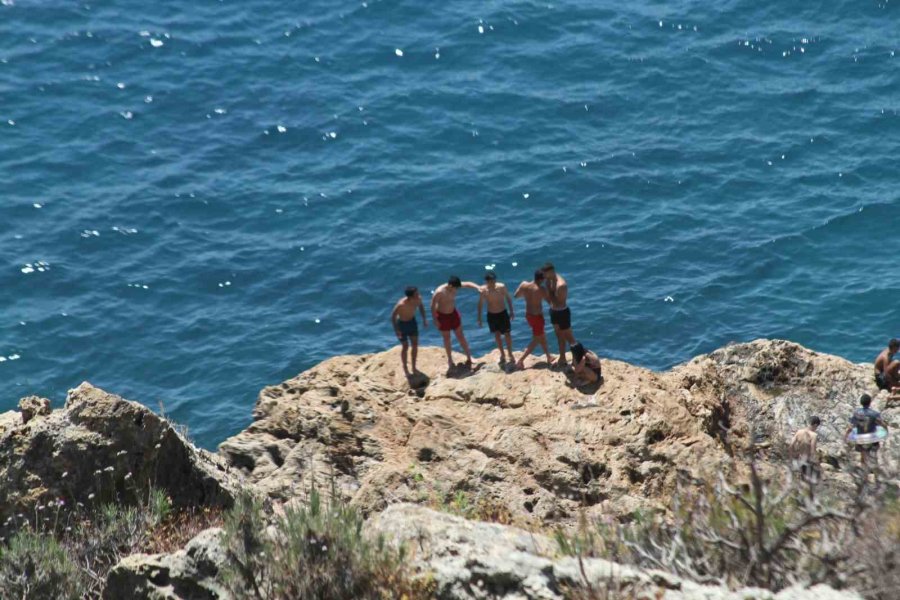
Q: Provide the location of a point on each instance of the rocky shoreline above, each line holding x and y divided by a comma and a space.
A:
524, 446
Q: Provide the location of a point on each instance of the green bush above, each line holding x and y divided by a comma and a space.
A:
35, 566
317, 552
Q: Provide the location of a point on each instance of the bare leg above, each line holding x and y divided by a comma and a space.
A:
543, 341
447, 347
415, 352
562, 346
403, 349
528, 351
462, 342
499, 346
512, 358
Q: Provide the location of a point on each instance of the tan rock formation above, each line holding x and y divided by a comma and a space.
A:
103, 448
527, 440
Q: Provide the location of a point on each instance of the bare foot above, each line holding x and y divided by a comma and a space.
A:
520, 365
469, 363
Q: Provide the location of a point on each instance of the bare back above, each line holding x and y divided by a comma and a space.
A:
883, 360
534, 296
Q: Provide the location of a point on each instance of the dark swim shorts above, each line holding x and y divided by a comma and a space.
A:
499, 322
880, 381
561, 318
408, 329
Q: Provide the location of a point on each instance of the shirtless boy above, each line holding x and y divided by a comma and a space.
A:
534, 296
444, 313
560, 316
498, 318
883, 365
403, 319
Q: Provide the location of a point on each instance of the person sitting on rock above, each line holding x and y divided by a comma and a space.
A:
882, 363
586, 366
403, 318
802, 450
866, 420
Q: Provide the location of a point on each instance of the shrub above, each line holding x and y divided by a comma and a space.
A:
316, 551
34, 566
769, 531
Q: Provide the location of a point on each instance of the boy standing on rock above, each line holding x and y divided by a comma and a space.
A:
444, 313
866, 420
803, 452
499, 320
560, 315
403, 318
534, 296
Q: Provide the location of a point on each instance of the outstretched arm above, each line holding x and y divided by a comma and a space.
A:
518, 293
471, 286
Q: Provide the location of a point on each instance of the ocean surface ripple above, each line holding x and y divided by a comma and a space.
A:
199, 199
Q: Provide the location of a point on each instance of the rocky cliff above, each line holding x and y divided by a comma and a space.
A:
528, 440
526, 446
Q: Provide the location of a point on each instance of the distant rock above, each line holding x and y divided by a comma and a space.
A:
102, 448
33, 406
527, 440
472, 561
189, 574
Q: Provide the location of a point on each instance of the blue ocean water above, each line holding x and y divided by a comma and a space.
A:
201, 198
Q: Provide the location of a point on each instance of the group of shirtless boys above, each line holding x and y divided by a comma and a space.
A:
548, 286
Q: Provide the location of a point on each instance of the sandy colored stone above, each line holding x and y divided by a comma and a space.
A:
33, 406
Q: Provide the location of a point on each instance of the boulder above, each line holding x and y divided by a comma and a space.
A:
100, 447
33, 406
188, 574
527, 442
470, 560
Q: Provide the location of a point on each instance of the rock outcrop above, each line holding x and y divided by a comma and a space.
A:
101, 447
189, 574
528, 440
472, 561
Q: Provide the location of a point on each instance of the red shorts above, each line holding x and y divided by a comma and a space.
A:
537, 324
449, 321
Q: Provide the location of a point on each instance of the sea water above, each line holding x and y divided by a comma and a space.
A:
202, 198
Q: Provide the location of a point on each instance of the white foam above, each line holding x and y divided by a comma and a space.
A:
282, 129
127, 115
120, 85
38, 205
526, 196
156, 43
481, 29
220, 111
398, 52
668, 299
318, 320
13, 357
515, 264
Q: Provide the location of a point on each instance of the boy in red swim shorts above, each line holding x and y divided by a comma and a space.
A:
535, 295
444, 313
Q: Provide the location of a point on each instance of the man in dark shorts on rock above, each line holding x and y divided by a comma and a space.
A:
882, 362
499, 320
534, 296
444, 313
403, 319
560, 315
865, 420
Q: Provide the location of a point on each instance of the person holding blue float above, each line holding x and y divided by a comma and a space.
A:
867, 430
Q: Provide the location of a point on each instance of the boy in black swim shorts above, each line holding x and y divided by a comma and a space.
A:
499, 320
403, 319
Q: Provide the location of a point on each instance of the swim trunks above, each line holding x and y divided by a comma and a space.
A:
408, 329
881, 382
537, 324
561, 318
449, 321
499, 322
